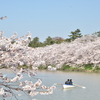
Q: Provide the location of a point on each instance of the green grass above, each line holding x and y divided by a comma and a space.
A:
24, 66
64, 67
83, 68
2, 67
88, 66
96, 68
42, 67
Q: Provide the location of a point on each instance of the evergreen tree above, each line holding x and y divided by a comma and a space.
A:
49, 41
35, 42
75, 34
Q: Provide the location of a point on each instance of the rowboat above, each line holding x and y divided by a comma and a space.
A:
65, 86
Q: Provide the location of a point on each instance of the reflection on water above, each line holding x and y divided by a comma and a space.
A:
67, 89
90, 80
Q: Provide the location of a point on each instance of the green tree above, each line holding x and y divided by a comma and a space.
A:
97, 34
68, 40
75, 34
35, 42
49, 41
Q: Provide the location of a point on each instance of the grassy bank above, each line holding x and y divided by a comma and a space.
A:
77, 68
83, 68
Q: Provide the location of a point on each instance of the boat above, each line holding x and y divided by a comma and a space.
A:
65, 86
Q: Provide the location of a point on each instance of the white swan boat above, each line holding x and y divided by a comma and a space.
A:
65, 86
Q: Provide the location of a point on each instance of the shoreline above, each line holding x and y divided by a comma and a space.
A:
74, 70
65, 70
79, 70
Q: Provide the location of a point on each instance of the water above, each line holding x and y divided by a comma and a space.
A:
89, 80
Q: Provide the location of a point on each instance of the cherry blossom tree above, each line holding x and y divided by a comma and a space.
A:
13, 55
14, 52
2, 18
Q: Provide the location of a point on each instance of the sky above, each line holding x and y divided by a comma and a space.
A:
54, 18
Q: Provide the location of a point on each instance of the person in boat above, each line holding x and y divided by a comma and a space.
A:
70, 82
67, 82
